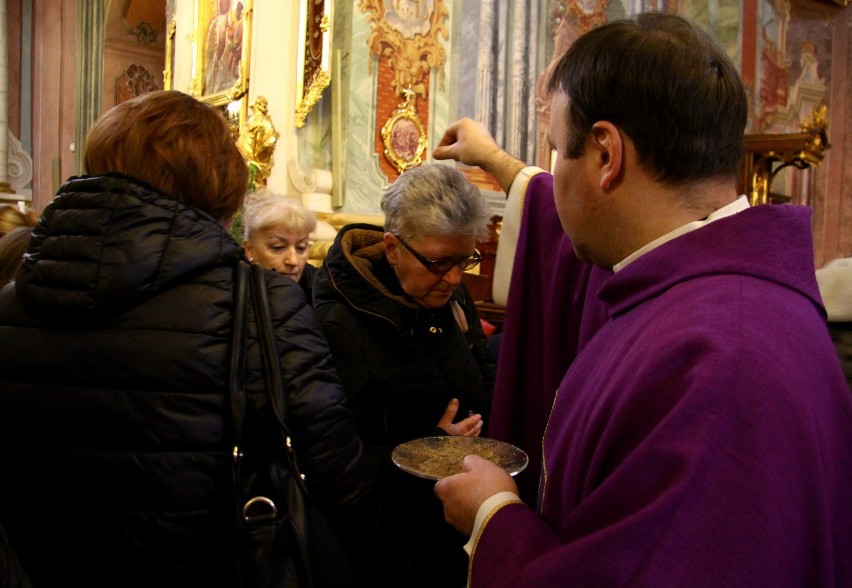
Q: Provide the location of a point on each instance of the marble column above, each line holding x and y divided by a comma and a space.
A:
4, 100
485, 63
519, 66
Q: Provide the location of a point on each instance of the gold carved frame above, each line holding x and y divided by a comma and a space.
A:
222, 55
313, 56
170, 54
403, 135
767, 154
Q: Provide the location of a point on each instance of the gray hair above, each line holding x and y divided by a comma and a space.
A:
435, 200
265, 209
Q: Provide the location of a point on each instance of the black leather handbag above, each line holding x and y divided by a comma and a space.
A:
282, 538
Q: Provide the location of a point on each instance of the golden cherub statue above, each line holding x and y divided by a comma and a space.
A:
257, 143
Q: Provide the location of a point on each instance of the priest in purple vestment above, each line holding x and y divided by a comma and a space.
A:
702, 433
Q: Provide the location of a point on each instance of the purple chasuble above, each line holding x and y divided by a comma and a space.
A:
703, 436
549, 315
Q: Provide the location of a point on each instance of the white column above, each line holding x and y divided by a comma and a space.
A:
528, 152
485, 63
518, 66
4, 100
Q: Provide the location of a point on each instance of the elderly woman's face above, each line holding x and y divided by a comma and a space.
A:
280, 249
428, 289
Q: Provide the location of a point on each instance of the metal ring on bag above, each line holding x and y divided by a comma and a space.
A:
262, 516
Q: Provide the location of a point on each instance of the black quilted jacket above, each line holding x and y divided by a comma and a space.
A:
114, 342
401, 364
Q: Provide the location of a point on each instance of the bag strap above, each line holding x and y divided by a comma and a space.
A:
311, 539
237, 395
236, 379
266, 337
272, 366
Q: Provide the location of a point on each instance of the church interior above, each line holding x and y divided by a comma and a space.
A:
665, 370
333, 74
331, 100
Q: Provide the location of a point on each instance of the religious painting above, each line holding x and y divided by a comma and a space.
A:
222, 39
403, 136
313, 56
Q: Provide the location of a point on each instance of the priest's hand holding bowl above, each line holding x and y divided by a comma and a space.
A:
463, 494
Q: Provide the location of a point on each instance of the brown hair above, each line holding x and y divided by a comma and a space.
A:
13, 245
176, 144
11, 218
667, 84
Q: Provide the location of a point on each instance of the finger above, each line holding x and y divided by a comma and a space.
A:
450, 135
472, 420
471, 425
438, 488
442, 487
470, 462
473, 431
445, 152
449, 413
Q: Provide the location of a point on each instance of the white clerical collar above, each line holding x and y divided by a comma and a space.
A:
731, 209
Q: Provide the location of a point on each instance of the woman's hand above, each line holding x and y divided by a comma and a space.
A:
469, 427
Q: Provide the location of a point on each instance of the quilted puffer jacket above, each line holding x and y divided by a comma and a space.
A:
115, 343
401, 364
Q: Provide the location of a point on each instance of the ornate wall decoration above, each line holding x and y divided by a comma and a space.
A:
20, 164
135, 81
766, 155
314, 27
257, 143
168, 72
144, 33
404, 136
569, 20
406, 33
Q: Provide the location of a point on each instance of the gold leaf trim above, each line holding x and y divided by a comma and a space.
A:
318, 83
406, 110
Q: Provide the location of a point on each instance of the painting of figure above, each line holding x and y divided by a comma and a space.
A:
405, 139
223, 47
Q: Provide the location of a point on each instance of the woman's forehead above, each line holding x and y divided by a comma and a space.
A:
284, 233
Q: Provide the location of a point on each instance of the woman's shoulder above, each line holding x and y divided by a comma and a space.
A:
336, 312
286, 297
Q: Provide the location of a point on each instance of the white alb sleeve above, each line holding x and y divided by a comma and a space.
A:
509, 233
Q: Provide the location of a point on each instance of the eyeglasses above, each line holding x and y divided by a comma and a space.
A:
442, 266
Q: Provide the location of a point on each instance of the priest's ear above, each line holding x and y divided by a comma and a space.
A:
608, 143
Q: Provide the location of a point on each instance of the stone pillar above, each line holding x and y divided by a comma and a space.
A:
519, 65
485, 64
4, 100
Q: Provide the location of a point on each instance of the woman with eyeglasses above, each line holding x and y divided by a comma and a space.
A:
407, 342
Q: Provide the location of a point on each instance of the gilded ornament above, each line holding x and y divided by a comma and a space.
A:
403, 135
314, 25
313, 93
406, 33
257, 143
170, 54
